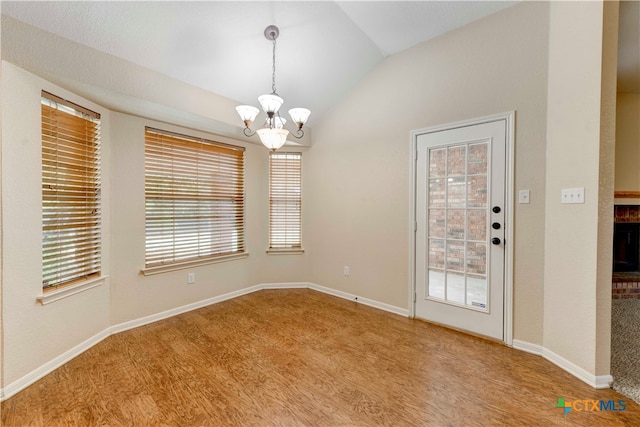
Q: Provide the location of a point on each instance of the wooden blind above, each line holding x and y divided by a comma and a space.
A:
285, 200
194, 198
70, 192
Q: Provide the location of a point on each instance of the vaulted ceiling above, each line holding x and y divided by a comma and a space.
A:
324, 48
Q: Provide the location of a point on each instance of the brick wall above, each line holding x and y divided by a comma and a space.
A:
626, 213
624, 285
625, 290
458, 208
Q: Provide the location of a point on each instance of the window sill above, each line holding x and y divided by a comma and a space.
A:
149, 271
297, 251
48, 297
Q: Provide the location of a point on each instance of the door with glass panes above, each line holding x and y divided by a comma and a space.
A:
460, 227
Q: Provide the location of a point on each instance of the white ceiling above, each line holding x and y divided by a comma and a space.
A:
324, 48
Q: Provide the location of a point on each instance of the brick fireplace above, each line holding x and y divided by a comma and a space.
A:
626, 252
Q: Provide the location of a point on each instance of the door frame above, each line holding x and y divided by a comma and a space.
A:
509, 118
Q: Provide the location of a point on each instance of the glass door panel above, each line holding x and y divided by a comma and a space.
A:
460, 212
457, 206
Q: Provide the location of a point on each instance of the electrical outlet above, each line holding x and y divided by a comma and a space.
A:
191, 278
347, 270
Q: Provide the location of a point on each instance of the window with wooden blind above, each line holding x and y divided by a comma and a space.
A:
285, 201
71, 232
194, 200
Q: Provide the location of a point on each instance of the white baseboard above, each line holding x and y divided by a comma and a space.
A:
51, 365
528, 347
595, 381
121, 327
285, 285
55, 363
365, 301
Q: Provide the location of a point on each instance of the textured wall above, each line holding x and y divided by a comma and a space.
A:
35, 334
628, 142
359, 201
579, 154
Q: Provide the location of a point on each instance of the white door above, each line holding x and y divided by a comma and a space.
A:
460, 227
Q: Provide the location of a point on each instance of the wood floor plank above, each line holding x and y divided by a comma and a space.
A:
303, 358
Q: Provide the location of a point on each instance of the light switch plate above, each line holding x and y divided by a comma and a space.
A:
523, 196
572, 195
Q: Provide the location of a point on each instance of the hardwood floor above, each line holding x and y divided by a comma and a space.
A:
302, 358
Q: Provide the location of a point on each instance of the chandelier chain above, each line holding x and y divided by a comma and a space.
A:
273, 76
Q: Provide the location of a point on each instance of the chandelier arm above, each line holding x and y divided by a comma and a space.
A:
298, 132
248, 132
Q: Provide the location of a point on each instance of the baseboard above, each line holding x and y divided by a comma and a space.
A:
50, 366
362, 300
603, 381
55, 363
121, 327
595, 381
528, 347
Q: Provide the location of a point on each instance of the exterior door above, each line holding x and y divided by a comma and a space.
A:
460, 227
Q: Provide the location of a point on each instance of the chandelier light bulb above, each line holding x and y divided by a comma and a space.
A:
299, 116
270, 103
273, 138
247, 113
279, 122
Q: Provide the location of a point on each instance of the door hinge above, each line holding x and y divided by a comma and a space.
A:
415, 297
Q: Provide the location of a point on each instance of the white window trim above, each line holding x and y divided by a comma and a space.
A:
48, 297
150, 271
285, 251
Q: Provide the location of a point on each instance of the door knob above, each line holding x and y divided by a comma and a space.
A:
496, 240
495, 226
496, 209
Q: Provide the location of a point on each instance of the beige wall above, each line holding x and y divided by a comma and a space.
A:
628, 142
359, 165
134, 295
34, 334
1, 239
577, 156
606, 178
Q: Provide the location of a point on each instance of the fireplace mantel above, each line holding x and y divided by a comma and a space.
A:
626, 197
626, 194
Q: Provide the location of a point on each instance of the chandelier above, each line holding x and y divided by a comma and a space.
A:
272, 134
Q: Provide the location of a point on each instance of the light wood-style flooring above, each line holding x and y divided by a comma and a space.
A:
303, 358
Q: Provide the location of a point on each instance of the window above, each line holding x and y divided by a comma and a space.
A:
285, 201
194, 200
70, 192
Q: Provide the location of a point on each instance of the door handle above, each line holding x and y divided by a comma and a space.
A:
496, 241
